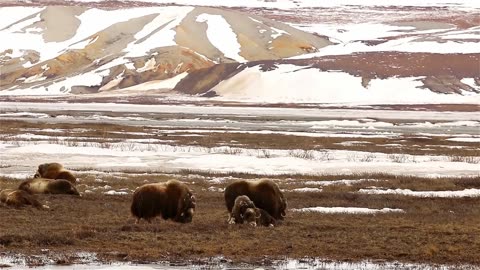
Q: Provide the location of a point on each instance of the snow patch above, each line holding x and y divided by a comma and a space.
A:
307, 189
113, 192
348, 210
222, 36
472, 192
465, 139
149, 65
294, 84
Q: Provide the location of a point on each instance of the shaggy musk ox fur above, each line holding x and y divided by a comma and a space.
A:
244, 211
264, 193
258, 217
54, 171
19, 198
242, 203
172, 200
48, 186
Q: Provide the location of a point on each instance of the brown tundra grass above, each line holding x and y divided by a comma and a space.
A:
432, 230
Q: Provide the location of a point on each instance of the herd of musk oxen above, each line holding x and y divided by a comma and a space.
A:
255, 202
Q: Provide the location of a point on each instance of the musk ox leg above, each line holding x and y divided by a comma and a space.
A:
30, 199
231, 219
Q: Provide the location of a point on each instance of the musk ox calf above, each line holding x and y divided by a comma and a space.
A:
19, 198
258, 217
265, 194
48, 186
242, 203
54, 171
244, 211
172, 200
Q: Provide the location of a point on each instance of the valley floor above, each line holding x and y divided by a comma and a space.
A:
361, 184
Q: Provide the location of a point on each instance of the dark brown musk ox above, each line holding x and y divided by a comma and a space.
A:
258, 217
19, 198
48, 186
172, 200
264, 193
54, 171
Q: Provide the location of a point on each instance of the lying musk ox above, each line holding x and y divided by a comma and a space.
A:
242, 203
48, 186
54, 171
172, 200
258, 217
265, 194
19, 198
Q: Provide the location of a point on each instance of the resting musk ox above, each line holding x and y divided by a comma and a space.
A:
48, 186
19, 198
265, 194
172, 200
258, 217
54, 171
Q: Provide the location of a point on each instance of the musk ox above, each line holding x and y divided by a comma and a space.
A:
172, 200
19, 198
258, 217
242, 203
54, 171
264, 193
48, 186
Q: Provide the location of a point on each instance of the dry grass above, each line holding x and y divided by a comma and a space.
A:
110, 135
432, 230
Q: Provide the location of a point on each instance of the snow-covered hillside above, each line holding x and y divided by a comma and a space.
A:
344, 51
44, 53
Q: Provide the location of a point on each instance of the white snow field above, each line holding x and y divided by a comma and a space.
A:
290, 83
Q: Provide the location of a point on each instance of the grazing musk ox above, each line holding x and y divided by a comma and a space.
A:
172, 200
48, 186
264, 193
54, 171
19, 198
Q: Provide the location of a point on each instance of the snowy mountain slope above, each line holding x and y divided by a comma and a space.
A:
43, 52
300, 51
285, 4
357, 78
